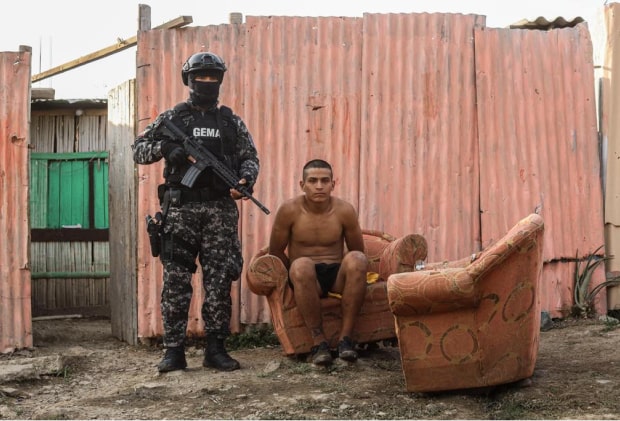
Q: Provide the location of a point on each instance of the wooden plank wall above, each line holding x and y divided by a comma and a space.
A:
69, 129
123, 230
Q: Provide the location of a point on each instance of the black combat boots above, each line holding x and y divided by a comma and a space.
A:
216, 355
174, 359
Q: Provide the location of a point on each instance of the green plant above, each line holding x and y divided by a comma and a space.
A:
64, 372
583, 295
611, 324
253, 337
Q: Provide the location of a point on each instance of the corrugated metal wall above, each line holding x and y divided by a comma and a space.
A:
419, 147
161, 54
539, 145
302, 100
396, 102
15, 313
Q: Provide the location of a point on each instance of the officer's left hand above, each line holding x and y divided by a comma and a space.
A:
235, 194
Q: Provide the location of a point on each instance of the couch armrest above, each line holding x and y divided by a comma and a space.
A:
446, 264
265, 274
402, 254
427, 291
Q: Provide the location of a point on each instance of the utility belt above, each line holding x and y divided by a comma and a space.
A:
177, 196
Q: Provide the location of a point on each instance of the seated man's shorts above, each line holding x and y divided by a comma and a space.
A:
326, 274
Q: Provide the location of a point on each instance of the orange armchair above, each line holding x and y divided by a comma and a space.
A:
474, 322
268, 276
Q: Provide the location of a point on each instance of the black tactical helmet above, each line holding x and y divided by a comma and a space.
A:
201, 62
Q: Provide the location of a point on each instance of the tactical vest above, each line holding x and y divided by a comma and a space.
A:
217, 132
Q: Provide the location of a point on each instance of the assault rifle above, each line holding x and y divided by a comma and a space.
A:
205, 159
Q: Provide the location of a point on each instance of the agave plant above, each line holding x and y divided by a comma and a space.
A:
583, 295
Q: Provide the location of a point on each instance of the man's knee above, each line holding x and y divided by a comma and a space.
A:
302, 269
355, 261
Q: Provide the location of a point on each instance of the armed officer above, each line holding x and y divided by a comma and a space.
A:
200, 221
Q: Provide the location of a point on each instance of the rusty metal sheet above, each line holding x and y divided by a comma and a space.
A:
538, 136
419, 159
15, 306
302, 100
538, 140
161, 54
434, 124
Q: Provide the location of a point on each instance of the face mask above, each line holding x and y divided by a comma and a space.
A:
204, 94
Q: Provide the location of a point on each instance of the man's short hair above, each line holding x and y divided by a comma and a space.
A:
316, 163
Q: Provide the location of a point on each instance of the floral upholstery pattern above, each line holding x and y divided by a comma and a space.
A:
267, 276
474, 322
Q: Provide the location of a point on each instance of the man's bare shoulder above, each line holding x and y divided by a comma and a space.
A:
291, 205
342, 205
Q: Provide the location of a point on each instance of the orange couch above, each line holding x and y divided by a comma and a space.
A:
474, 322
268, 276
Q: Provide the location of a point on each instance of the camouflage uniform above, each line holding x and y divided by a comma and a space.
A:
203, 228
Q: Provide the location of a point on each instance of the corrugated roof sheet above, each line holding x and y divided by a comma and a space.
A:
543, 23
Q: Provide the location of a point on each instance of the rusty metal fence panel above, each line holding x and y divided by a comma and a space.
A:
419, 168
538, 142
434, 124
302, 99
15, 306
161, 54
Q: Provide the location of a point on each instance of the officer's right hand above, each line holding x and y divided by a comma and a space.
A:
173, 152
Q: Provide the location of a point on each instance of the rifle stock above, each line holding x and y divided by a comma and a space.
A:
205, 158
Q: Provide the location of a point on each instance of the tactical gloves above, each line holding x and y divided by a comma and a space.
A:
173, 152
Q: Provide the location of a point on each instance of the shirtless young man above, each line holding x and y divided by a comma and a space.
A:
315, 226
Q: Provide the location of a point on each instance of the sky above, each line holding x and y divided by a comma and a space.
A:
59, 31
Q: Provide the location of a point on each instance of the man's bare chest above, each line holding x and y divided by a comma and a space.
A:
317, 230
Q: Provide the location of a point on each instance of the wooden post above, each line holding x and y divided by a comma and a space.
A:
144, 17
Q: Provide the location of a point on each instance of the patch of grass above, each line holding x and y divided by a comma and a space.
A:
255, 336
301, 368
65, 372
388, 365
57, 415
513, 407
509, 410
611, 322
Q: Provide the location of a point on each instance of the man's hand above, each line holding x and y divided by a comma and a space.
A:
173, 152
235, 194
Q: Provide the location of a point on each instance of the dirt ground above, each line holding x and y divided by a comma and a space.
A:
577, 376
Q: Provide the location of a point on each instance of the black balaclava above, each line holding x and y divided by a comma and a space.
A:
203, 94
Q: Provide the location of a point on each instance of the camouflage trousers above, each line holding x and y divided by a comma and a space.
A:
206, 230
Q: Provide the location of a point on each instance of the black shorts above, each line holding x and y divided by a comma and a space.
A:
326, 274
